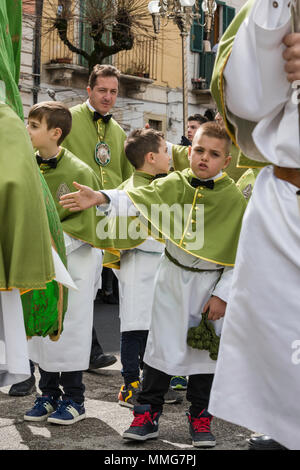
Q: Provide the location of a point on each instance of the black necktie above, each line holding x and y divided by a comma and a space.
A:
208, 184
105, 118
159, 175
52, 162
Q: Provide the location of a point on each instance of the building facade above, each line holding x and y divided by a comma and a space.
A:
151, 81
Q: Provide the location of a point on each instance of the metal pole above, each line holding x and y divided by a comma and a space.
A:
185, 96
37, 50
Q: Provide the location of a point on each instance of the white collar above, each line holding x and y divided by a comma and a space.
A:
92, 108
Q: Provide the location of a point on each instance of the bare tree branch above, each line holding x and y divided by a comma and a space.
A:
109, 26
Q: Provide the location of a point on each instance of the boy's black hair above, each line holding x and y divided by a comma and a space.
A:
198, 117
139, 143
56, 115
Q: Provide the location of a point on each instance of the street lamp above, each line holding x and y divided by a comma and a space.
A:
183, 12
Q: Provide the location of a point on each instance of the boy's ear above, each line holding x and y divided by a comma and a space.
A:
227, 161
149, 157
57, 132
189, 151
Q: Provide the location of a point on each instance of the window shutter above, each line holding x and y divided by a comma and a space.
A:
228, 15
196, 37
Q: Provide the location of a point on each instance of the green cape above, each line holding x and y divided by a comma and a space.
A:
10, 51
223, 212
82, 141
246, 182
181, 161
25, 243
44, 310
26, 207
217, 83
112, 258
80, 225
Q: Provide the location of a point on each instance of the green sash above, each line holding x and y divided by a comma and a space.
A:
222, 210
246, 182
217, 83
10, 51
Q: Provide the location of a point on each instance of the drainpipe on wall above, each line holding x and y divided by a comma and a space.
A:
37, 50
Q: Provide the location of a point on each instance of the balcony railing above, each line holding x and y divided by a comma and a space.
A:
140, 61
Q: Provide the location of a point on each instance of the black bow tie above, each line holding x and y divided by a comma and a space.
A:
159, 175
105, 118
52, 162
208, 184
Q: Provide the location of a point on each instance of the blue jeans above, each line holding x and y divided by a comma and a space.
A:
71, 382
133, 345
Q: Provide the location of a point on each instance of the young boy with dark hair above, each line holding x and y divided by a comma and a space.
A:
205, 211
139, 258
62, 362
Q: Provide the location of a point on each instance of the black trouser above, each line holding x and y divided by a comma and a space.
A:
156, 384
71, 382
133, 345
96, 348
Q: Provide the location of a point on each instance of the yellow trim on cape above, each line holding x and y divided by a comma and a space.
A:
180, 247
221, 85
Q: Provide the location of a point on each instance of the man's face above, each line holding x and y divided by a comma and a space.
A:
104, 94
193, 126
207, 156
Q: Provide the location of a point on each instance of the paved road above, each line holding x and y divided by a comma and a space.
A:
106, 420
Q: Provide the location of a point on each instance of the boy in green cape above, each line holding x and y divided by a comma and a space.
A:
63, 362
199, 213
139, 257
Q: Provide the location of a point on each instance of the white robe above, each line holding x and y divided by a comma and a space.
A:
136, 284
257, 379
138, 267
14, 355
72, 351
179, 298
14, 362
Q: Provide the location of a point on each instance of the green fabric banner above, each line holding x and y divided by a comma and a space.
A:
44, 309
217, 83
25, 242
10, 53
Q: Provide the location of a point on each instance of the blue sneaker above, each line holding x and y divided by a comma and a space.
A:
178, 382
42, 408
145, 424
68, 412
